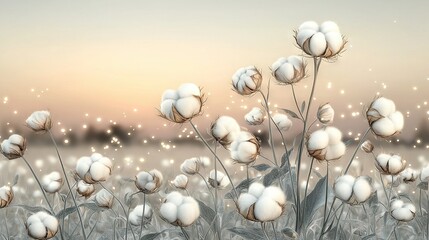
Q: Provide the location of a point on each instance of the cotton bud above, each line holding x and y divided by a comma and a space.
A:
221, 182
389, 164
13, 147
323, 40
180, 181
149, 182
41, 225
224, 130
353, 190
288, 70
424, 174
104, 199
326, 144
261, 204
247, 80
383, 118
179, 210
401, 211
193, 165
245, 148
255, 116
409, 175
136, 215
85, 189
325, 114
39, 121
94, 169
183, 104
52, 182
367, 146
6, 196
282, 121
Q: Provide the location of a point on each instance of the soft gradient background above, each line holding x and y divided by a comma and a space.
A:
94, 61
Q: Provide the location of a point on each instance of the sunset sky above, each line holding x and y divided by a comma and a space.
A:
112, 60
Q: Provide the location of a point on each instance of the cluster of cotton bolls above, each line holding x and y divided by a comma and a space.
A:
255, 116
93, 169
325, 144
136, 214
149, 182
179, 210
42, 225
383, 118
353, 190
52, 182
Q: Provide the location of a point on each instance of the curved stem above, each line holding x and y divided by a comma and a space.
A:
306, 187
207, 184
217, 158
269, 127
326, 200
142, 222
296, 103
68, 184
317, 62
65, 203
357, 148
274, 230
216, 224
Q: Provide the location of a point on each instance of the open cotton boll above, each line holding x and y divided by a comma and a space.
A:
288, 70
383, 106
282, 121
353, 190
52, 182
275, 194
245, 148
221, 182
402, 211
39, 121
336, 151
383, 127
318, 44
256, 189
104, 199
188, 106
175, 197
318, 140
245, 200
94, 169
266, 209
6, 196
149, 182
136, 214
180, 181
247, 80
362, 189
398, 120
224, 130
334, 134
85, 189
186, 214
255, 116
390, 164
179, 210
13, 147
343, 187
312, 25
41, 225
383, 118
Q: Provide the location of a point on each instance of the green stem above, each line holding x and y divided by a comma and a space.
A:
357, 148
296, 103
217, 158
317, 62
270, 133
68, 184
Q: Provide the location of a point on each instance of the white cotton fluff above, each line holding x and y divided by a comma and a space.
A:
335, 151
318, 44
256, 189
39, 121
402, 211
288, 70
246, 80
136, 214
220, 178
52, 182
255, 116
409, 175
329, 26
104, 198
180, 181
383, 106
325, 113
6, 196
343, 187
390, 164
149, 182
188, 107
266, 209
312, 25
362, 189
282, 121
384, 127
94, 169
335, 41
383, 118
225, 129
245, 148
13, 147
318, 140
180, 210
84, 188
186, 100
245, 201
42, 225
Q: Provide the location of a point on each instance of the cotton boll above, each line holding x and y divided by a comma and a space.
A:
336, 151
282, 121
255, 116
309, 25
187, 90
266, 209
245, 200
318, 44
362, 189
335, 41
186, 214
37, 230
343, 187
334, 134
318, 140
168, 211
276, 194
256, 189
304, 35
384, 106
188, 107
383, 127
328, 27
175, 197
398, 120
170, 95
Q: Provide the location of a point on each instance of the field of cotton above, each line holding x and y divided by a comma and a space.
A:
227, 183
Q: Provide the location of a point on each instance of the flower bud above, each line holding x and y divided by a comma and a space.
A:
221, 182
247, 80
179, 210
367, 146
245, 148
104, 199
409, 175
224, 130
14, 147
325, 114
94, 169
353, 190
52, 182
282, 121
183, 104
39, 121
136, 215
149, 182
255, 116
261, 204
85, 189
389, 164
180, 181
383, 118
41, 225
193, 165
6, 196
401, 211
326, 144
320, 41
288, 70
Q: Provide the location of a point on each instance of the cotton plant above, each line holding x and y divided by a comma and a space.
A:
255, 116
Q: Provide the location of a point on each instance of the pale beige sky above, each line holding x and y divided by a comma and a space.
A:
113, 59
